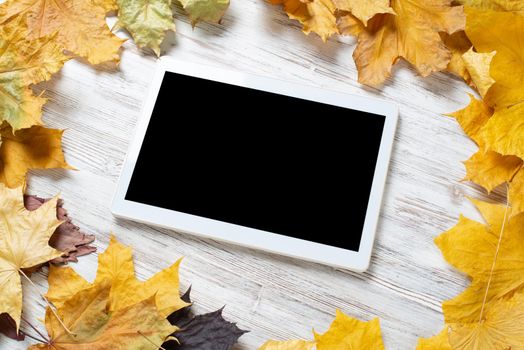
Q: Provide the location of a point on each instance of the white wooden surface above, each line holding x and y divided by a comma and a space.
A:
273, 296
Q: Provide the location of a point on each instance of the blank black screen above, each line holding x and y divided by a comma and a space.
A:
257, 159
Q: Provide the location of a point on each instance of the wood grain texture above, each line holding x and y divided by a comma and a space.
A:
272, 296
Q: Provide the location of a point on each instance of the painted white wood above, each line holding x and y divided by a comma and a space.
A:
273, 296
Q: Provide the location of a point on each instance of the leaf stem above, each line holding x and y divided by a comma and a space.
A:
33, 337
152, 342
494, 260
35, 329
47, 302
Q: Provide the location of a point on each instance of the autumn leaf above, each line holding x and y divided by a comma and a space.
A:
8, 328
348, 333
501, 328
67, 238
79, 25
205, 10
478, 65
33, 148
438, 342
24, 62
317, 16
116, 265
205, 332
146, 20
471, 247
93, 327
24, 237
288, 345
202, 332
490, 169
413, 34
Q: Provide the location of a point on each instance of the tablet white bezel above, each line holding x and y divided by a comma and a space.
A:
245, 236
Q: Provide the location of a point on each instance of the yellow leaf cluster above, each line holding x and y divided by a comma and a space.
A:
116, 311
344, 333
387, 31
92, 327
496, 123
116, 266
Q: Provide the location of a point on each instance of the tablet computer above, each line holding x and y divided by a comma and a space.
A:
255, 161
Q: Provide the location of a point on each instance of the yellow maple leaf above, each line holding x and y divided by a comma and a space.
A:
24, 238
80, 26
93, 327
501, 328
348, 333
413, 34
33, 148
471, 247
316, 16
24, 62
438, 342
116, 265
364, 10
478, 65
288, 345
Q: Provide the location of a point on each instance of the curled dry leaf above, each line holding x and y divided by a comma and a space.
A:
24, 62
24, 237
205, 332
146, 20
348, 333
33, 148
79, 25
471, 247
412, 34
137, 326
67, 238
477, 65
116, 266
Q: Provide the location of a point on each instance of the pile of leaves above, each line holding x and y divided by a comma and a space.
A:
116, 311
